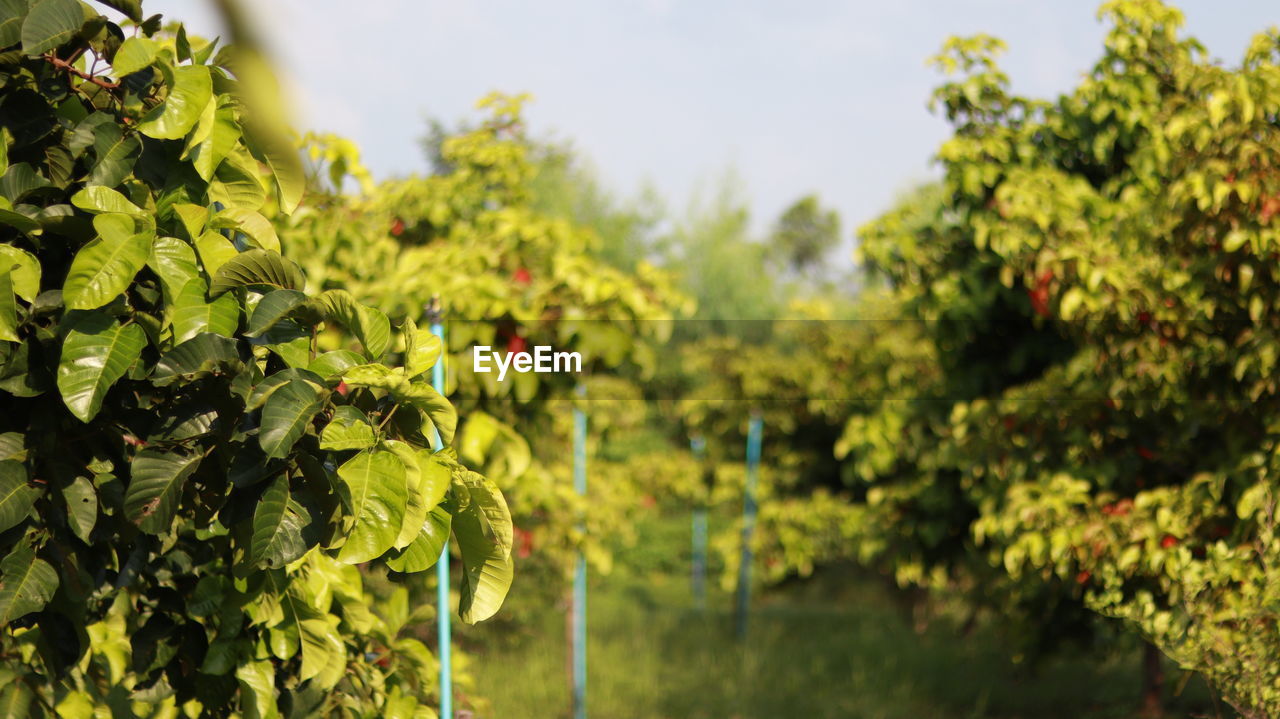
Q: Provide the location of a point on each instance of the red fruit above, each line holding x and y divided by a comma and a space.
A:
1169, 541
397, 227
516, 344
343, 389
1039, 300
524, 542
522, 276
1146, 453
1144, 317
1008, 424
1083, 577
649, 502
1270, 208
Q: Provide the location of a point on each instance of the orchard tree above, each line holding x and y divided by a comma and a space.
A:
191, 495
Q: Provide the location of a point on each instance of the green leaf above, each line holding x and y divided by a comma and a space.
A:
282, 157
103, 269
50, 23
370, 326
24, 270
374, 490
132, 9
425, 550
422, 349
236, 182
115, 153
272, 382
82, 507
16, 495
215, 251
8, 309
27, 583
483, 529
349, 429
174, 262
151, 500
249, 222
286, 415
96, 353
334, 363
419, 394
177, 115
19, 180
272, 308
134, 54
258, 690
223, 133
202, 354
193, 314
277, 527
258, 269
12, 13
322, 648
100, 199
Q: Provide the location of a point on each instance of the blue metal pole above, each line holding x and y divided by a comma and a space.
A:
444, 618
580, 570
754, 431
699, 578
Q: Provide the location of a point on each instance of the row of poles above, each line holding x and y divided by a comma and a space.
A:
578, 610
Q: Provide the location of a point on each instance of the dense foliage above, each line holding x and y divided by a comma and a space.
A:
1093, 420
192, 496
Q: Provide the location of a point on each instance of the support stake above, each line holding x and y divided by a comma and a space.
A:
754, 431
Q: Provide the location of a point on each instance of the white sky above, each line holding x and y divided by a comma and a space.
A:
798, 97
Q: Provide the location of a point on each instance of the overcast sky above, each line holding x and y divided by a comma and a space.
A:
798, 97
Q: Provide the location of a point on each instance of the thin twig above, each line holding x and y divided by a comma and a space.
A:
63, 64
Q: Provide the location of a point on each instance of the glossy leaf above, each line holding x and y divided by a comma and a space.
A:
82, 507
484, 533
96, 353
50, 23
16, 495
277, 527
349, 429
27, 583
193, 314
374, 489
259, 269
272, 308
369, 325
103, 269
134, 54
178, 114
286, 415
155, 487
24, 271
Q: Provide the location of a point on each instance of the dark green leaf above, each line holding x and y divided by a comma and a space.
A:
49, 24
155, 488
272, 308
286, 415
27, 583
202, 354
96, 353
277, 527
16, 495
260, 269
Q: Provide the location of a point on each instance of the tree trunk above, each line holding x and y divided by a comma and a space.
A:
1152, 683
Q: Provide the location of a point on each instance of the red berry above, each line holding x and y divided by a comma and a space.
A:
516, 344
1169, 541
397, 227
1146, 453
1083, 577
343, 389
522, 276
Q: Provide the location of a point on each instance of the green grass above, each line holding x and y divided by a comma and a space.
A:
834, 647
